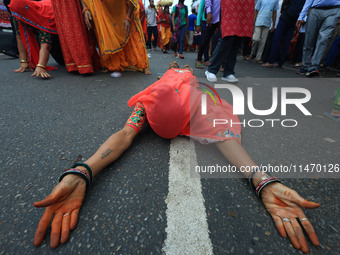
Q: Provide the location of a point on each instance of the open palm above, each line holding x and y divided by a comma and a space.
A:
285, 206
64, 203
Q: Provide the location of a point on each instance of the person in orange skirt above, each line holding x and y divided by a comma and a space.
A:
119, 34
166, 35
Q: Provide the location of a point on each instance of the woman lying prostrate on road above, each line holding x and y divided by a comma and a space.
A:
165, 105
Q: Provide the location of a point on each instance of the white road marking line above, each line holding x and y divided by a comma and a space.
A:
187, 227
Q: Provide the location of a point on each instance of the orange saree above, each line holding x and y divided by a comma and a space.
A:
117, 50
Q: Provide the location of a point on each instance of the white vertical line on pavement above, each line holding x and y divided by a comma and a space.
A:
187, 227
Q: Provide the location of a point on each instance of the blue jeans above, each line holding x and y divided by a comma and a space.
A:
204, 46
180, 41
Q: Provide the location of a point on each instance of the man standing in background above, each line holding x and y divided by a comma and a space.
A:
151, 14
237, 20
321, 22
265, 17
192, 25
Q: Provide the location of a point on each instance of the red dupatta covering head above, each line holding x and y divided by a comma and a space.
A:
167, 103
38, 14
173, 107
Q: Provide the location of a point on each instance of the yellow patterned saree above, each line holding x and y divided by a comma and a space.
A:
118, 51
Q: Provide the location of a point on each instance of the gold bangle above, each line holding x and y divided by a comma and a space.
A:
42, 66
23, 61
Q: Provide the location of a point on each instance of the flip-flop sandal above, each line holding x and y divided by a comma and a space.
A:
332, 96
199, 65
335, 118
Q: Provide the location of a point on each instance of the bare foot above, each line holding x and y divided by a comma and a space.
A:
189, 68
268, 65
105, 70
147, 71
173, 64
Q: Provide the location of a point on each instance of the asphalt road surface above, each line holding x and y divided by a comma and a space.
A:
146, 203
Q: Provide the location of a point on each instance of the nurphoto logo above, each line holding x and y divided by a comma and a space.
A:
239, 105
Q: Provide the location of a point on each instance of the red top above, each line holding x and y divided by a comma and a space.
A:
237, 17
167, 18
38, 14
173, 107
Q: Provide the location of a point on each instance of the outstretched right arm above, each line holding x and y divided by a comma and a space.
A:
65, 200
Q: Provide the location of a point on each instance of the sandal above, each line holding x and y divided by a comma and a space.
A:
333, 117
199, 65
181, 56
206, 63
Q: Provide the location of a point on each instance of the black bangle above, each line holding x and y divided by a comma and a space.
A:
87, 167
266, 182
83, 176
250, 177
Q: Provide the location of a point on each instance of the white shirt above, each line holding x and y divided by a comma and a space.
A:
151, 16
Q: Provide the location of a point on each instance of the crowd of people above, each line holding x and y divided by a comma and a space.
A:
299, 30
106, 35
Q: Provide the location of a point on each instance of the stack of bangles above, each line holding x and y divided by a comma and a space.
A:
129, 19
88, 177
264, 181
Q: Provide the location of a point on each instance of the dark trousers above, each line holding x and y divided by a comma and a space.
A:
209, 32
206, 50
267, 47
281, 42
246, 46
333, 53
152, 31
299, 48
225, 53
